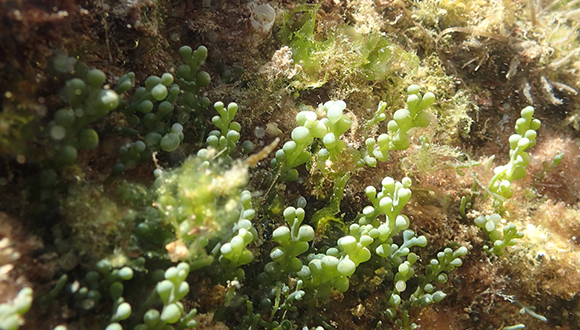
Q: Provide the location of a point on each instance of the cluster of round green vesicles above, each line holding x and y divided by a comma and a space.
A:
88, 102
170, 290
105, 281
235, 253
524, 139
191, 80
293, 241
160, 108
397, 137
153, 102
499, 231
133, 153
150, 115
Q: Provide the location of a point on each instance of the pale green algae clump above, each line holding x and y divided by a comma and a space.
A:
199, 199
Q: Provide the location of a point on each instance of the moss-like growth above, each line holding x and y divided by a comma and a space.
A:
199, 200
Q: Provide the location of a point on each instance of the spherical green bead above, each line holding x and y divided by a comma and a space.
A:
171, 313
213, 141
151, 318
88, 139
114, 326
164, 289
125, 83
167, 79
233, 136
227, 250
217, 121
174, 90
527, 112
172, 273
235, 126
109, 99
164, 109
334, 112
177, 128
66, 155
150, 120
329, 140
96, 78
412, 258
535, 124
57, 132
152, 140
140, 93
413, 89
118, 169
159, 92
402, 117
247, 147
456, 262
184, 71
185, 52
531, 135
401, 286
403, 268
438, 296
395, 300
139, 146
123, 312
188, 98
203, 79
204, 102
291, 175
125, 273
74, 89
341, 284
427, 99
300, 134
170, 142
151, 82
145, 106
201, 53
104, 266
346, 267
347, 243
460, 251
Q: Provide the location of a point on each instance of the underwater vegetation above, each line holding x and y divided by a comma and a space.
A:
333, 164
